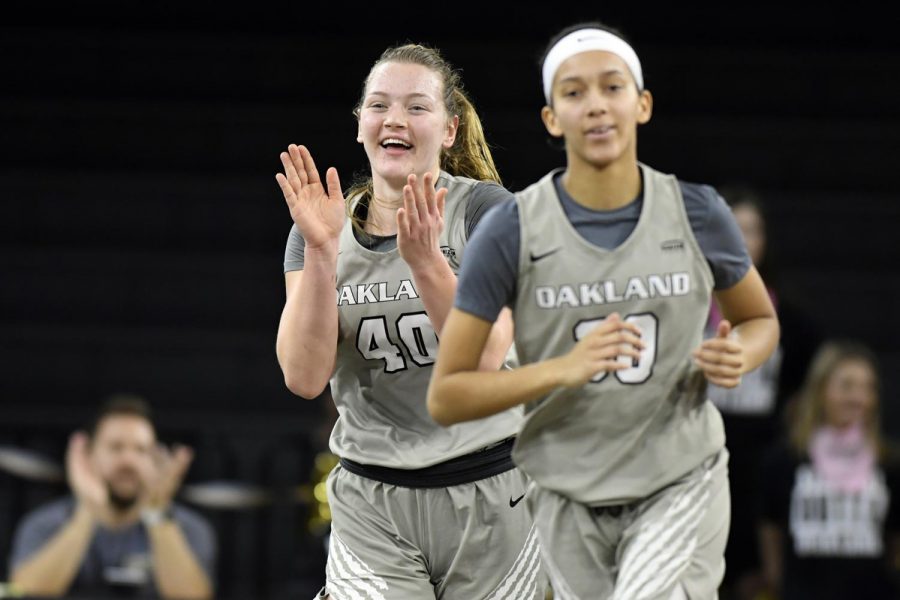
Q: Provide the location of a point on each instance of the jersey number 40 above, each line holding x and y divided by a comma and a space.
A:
415, 333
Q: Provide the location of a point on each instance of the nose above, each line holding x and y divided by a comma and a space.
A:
596, 101
395, 116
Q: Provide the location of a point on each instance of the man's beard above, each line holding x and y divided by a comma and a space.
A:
119, 502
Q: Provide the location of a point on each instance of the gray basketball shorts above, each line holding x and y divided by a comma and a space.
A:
474, 541
666, 546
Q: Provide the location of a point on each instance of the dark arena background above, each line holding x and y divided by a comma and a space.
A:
142, 230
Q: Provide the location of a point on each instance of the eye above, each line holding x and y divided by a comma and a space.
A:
418, 108
377, 105
571, 93
615, 87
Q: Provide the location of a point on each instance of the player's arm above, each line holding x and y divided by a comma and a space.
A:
308, 331
458, 392
419, 225
748, 332
437, 292
746, 336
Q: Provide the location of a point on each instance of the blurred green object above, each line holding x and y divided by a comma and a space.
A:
8, 590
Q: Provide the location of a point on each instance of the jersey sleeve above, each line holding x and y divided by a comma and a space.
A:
293, 252
484, 196
717, 233
487, 279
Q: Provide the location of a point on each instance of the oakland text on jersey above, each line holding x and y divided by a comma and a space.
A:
607, 292
384, 291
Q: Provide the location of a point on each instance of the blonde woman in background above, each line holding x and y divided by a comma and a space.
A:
830, 515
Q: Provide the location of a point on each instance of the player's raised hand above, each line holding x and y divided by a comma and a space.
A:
420, 222
721, 358
318, 210
611, 346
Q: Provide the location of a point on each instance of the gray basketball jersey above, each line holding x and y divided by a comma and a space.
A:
626, 434
386, 349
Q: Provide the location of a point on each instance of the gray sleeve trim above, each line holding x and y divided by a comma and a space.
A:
293, 252
487, 279
484, 196
718, 235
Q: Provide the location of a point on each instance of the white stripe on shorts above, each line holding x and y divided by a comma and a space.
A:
661, 552
522, 574
348, 576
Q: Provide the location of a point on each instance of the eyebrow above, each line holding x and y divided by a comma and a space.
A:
413, 95
602, 74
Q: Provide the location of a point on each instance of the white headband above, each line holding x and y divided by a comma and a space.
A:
585, 40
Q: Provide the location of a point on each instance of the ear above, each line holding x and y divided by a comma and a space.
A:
548, 116
452, 128
550, 122
645, 107
359, 137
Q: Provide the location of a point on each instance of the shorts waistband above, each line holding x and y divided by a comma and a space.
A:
475, 466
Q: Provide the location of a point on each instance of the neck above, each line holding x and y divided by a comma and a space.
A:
382, 219
382, 214
602, 188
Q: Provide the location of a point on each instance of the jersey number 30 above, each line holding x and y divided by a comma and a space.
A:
641, 369
415, 333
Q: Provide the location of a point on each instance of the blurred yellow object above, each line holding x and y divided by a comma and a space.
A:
320, 493
319, 511
8, 590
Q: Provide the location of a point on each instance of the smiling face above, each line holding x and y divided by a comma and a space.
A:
850, 393
597, 107
403, 123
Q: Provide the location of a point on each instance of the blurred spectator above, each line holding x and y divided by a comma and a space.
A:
119, 532
830, 509
753, 411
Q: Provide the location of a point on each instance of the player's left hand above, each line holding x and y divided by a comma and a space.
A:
721, 358
420, 222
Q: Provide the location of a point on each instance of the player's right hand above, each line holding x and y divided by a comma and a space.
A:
88, 487
610, 346
318, 212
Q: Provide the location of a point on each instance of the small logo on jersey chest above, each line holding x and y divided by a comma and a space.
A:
536, 257
672, 245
